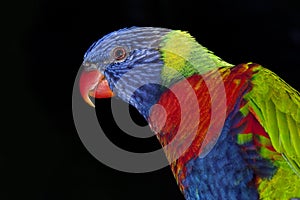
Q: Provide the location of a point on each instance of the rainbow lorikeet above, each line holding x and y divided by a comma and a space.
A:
244, 119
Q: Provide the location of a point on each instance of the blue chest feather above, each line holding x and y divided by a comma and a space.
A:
229, 170
222, 174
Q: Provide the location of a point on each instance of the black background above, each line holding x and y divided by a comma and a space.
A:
44, 43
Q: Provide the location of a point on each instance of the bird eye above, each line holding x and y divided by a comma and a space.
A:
119, 53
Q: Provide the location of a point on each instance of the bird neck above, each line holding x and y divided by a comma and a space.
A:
145, 97
183, 56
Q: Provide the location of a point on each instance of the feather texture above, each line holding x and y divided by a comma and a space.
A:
276, 106
255, 155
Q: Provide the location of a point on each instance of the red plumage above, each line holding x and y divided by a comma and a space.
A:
236, 83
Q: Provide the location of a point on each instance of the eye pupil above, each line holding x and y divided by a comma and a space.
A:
119, 53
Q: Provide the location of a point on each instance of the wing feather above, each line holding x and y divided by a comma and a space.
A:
276, 106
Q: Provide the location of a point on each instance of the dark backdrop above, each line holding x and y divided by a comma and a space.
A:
44, 43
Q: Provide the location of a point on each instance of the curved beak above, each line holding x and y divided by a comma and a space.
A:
93, 83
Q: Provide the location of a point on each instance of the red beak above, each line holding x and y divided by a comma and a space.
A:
93, 83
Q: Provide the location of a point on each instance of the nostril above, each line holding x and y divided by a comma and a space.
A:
89, 66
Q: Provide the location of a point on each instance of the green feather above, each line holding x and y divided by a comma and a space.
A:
244, 138
276, 106
283, 185
183, 56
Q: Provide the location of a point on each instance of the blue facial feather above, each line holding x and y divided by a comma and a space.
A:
134, 38
140, 72
139, 75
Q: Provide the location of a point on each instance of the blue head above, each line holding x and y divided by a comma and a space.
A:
128, 62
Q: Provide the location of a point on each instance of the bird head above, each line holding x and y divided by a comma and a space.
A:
122, 60
137, 64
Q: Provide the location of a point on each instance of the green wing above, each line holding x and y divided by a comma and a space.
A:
276, 105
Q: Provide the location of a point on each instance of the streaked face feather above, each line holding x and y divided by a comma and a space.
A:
141, 66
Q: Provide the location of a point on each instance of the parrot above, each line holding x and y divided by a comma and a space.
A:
230, 131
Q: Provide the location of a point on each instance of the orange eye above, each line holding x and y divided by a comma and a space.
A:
119, 53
